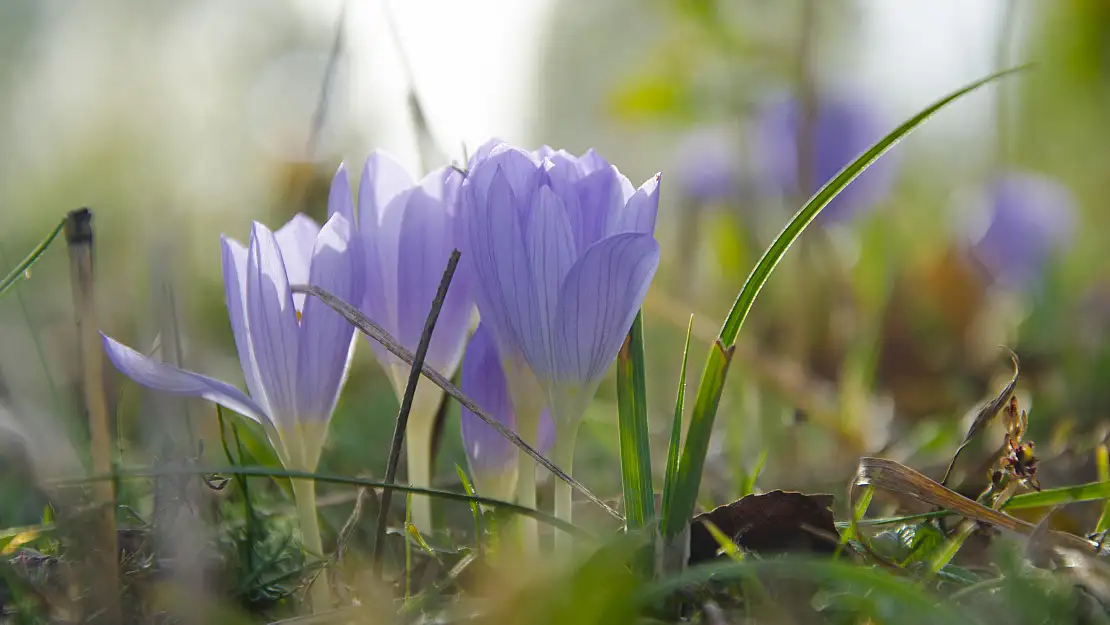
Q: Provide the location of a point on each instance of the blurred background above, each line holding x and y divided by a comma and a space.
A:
176, 122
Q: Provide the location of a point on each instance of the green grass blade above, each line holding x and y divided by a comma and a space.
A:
475, 510
20, 270
1102, 456
1092, 491
670, 479
914, 604
639, 496
686, 485
713, 377
287, 474
758, 277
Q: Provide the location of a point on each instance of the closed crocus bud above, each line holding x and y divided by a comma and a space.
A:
492, 458
842, 128
1031, 217
707, 165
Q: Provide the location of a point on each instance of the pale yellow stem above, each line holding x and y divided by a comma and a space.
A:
565, 436
418, 444
304, 492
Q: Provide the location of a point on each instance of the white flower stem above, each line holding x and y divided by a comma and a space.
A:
527, 422
304, 492
526, 496
565, 436
418, 446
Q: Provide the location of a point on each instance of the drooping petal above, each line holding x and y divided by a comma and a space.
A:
551, 252
235, 292
498, 261
339, 197
295, 239
159, 376
325, 341
383, 179
272, 321
638, 214
598, 302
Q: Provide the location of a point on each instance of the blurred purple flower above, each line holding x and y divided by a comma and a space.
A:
562, 252
492, 458
1031, 216
843, 128
294, 352
707, 165
408, 231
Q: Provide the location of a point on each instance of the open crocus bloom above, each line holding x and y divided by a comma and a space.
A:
294, 351
407, 233
492, 458
562, 251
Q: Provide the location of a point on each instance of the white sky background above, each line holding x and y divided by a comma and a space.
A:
925, 47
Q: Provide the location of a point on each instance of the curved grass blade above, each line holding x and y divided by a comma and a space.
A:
712, 383
1093, 491
118, 474
675, 445
367, 326
758, 277
639, 497
20, 270
690, 466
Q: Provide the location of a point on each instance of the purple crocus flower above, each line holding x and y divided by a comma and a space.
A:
408, 231
843, 127
492, 458
707, 165
1031, 216
294, 351
562, 251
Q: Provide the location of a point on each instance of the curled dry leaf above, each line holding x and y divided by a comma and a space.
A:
774, 522
985, 415
897, 478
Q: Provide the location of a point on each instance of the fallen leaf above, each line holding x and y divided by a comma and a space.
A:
774, 522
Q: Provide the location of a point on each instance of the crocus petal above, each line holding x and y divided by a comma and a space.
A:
519, 168
162, 377
551, 251
499, 261
426, 243
295, 239
599, 300
339, 198
325, 341
272, 322
599, 195
482, 153
484, 382
235, 291
383, 179
638, 214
